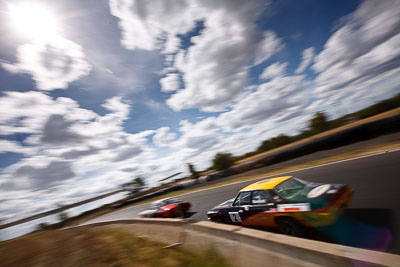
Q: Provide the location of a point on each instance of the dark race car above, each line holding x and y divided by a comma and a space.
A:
285, 203
167, 208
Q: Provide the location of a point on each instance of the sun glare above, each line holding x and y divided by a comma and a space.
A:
34, 21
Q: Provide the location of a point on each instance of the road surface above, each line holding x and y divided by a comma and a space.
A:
371, 221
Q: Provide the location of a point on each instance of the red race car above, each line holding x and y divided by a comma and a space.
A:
167, 208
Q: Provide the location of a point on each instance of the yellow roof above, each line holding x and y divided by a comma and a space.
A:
266, 184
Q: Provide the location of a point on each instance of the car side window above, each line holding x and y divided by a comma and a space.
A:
242, 199
261, 197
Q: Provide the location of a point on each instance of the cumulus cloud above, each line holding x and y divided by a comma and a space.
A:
214, 68
365, 47
15, 147
170, 82
111, 122
143, 23
273, 70
53, 65
278, 99
57, 131
172, 45
306, 59
61, 130
128, 153
45, 177
29, 112
56, 167
77, 153
268, 46
200, 137
163, 137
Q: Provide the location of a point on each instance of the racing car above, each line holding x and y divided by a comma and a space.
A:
287, 204
167, 208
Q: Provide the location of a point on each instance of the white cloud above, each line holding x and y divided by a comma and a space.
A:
172, 45
365, 47
274, 70
57, 131
118, 108
215, 67
278, 99
214, 77
15, 147
201, 136
163, 137
28, 112
143, 23
306, 59
55, 159
53, 65
269, 45
109, 123
170, 83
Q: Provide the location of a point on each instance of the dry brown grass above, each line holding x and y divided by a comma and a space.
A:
97, 247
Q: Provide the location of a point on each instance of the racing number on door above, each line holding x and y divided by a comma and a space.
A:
235, 217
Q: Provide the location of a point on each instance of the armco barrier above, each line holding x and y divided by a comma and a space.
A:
249, 247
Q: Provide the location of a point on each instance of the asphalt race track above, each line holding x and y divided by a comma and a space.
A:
371, 221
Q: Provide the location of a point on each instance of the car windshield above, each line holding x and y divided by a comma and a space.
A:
170, 201
290, 187
155, 205
226, 203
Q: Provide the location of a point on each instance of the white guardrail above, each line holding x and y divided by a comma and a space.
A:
248, 247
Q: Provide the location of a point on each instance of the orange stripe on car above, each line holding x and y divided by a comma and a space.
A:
291, 209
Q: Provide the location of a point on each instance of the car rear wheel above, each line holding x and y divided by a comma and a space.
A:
289, 226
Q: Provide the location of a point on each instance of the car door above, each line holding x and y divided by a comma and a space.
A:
262, 202
239, 210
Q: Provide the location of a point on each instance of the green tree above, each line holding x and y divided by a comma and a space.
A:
63, 216
193, 172
319, 123
265, 146
274, 142
280, 140
42, 226
222, 161
135, 185
138, 182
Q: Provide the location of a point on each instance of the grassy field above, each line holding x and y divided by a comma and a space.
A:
98, 247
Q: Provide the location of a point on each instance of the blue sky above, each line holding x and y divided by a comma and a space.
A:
95, 93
